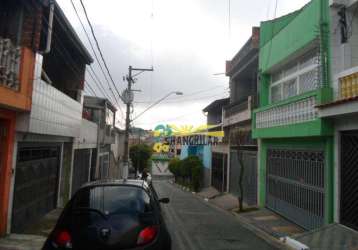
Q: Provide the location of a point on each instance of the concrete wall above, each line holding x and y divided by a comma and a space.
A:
88, 135
52, 112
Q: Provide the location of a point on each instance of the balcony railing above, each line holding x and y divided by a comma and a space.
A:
236, 108
348, 86
239, 111
297, 112
10, 57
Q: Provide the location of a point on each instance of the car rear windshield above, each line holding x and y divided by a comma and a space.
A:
113, 199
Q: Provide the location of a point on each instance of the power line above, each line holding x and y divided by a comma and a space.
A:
98, 86
170, 119
93, 50
190, 94
98, 47
190, 100
68, 58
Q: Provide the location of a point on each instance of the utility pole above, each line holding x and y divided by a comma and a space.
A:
128, 100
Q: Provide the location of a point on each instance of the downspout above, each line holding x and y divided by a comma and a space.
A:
49, 30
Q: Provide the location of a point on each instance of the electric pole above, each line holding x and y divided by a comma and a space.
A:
128, 100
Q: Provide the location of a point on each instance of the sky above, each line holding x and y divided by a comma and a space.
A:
186, 41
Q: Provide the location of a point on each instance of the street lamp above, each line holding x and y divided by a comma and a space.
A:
157, 102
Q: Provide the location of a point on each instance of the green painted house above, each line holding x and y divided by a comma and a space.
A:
295, 144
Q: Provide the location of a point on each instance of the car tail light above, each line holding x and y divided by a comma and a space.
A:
62, 238
147, 235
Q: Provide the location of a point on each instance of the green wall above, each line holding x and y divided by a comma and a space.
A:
299, 32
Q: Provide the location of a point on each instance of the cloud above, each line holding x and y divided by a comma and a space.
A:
186, 42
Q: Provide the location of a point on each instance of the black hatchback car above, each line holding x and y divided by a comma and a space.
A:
113, 215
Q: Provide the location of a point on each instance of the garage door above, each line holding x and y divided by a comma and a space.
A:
219, 171
81, 166
349, 179
36, 181
295, 185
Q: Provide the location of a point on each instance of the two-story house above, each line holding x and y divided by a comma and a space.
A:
243, 73
42, 71
102, 112
295, 143
17, 58
342, 111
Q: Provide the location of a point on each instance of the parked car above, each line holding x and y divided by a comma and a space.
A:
112, 214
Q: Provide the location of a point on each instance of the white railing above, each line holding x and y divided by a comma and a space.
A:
292, 113
10, 56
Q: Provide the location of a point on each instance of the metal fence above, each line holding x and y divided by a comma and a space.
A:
295, 185
10, 56
249, 181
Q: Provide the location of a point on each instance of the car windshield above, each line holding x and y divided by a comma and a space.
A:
113, 199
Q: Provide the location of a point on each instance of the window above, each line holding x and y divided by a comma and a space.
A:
296, 78
113, 199
276, 93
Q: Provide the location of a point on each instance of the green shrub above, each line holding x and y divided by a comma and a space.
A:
174, 165
190, 171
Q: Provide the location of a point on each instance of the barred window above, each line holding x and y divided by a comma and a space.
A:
296, 77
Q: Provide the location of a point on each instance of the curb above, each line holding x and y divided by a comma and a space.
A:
245, 223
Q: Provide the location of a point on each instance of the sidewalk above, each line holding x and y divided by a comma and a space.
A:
270, 225
34, 236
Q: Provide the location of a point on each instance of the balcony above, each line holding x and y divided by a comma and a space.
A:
52, 111
16, 76
346, 98
238, 112
348, 86
10, 58
287, 114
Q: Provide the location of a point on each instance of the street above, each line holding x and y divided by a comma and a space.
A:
195, 225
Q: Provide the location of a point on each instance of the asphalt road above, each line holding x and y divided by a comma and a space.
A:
195, 225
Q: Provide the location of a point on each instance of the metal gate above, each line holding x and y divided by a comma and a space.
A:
81, 168
295, 185
250, 175
219, 171
36, 182
349, 179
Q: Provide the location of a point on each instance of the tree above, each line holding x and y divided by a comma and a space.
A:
242, 136
241, 177
140, 154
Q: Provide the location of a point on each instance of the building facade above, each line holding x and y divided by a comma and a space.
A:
342, 110
295, 144
102, 112
42, 78
215, 157
243, 72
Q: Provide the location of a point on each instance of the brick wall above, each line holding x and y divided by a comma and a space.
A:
31, 29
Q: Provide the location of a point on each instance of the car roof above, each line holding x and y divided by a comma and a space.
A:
119, 182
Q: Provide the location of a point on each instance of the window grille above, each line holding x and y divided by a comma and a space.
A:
296, 78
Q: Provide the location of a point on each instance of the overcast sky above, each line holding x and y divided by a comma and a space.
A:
186, 41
